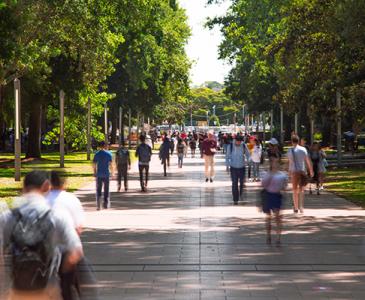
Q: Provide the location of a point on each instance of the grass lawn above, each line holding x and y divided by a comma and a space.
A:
349, 183
77, 170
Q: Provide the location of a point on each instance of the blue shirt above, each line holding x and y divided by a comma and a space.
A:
236, 155
102, 159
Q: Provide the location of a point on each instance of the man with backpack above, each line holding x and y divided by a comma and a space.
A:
33, 235
144, 153
123, 163
237, 155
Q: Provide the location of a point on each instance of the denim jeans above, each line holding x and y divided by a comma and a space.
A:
237, 174
123, 172
100, 181
180, 157
256, 169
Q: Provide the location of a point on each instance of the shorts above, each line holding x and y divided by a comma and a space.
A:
273, 202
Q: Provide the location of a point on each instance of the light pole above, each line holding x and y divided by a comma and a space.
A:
208, 118
62, 129
106, 123
281, 125
339, 128
88, 150
120, 125
17, 140
129, 127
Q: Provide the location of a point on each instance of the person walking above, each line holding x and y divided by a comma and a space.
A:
172, 145
273, 183
256, 160
165, 154
192, 145
180, 152
318, 159
34, 228
144, 153
78, 282
103, 167
123, 163
237, 156
299, 166
209, 148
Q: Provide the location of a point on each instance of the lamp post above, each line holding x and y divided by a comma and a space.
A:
339, 128
62, 129
106, 124
129, 127
17, 140
296, 124
281, 125
88, 148
208, 118
120, 125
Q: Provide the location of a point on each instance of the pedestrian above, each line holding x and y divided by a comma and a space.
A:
273, 150
144, 153
165, 154
318, 159
237, 155
228, 143
123, 164
180, 152
79, 280
31, 229
256, 160
209, 148
273, 183
192, 145
172, 145
251, 144
299, 166
103, 168
186, 147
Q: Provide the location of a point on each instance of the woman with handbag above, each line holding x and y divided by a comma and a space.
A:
299, 166
273, 183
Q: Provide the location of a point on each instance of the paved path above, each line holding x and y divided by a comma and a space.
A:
185, 240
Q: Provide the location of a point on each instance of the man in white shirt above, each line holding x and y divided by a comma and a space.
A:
299, 165
85, 283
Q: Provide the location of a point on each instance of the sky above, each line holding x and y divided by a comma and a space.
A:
202, 48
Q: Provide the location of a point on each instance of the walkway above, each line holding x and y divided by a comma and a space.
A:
185, 240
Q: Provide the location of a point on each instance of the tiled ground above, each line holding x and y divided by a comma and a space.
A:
185, 240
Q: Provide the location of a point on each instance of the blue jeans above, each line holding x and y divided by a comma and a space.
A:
256, 169
237, 174
100, 181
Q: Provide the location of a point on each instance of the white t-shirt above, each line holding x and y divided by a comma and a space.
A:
256, 154
298, 164
274, 182
61, 200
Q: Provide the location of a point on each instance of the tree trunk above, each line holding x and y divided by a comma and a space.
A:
34, 138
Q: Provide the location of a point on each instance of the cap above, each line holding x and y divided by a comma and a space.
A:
273, 141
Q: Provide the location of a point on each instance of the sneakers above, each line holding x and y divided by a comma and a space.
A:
235, 202
206, 179
211, 180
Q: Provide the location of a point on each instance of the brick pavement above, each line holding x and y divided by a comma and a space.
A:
185, 240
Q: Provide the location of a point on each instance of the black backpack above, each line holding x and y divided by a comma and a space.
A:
32, 249
123, 155
144, 153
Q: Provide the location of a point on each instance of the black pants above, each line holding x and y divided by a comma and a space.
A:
143, 180
99, 184
165, 162
123, 172
237, 174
